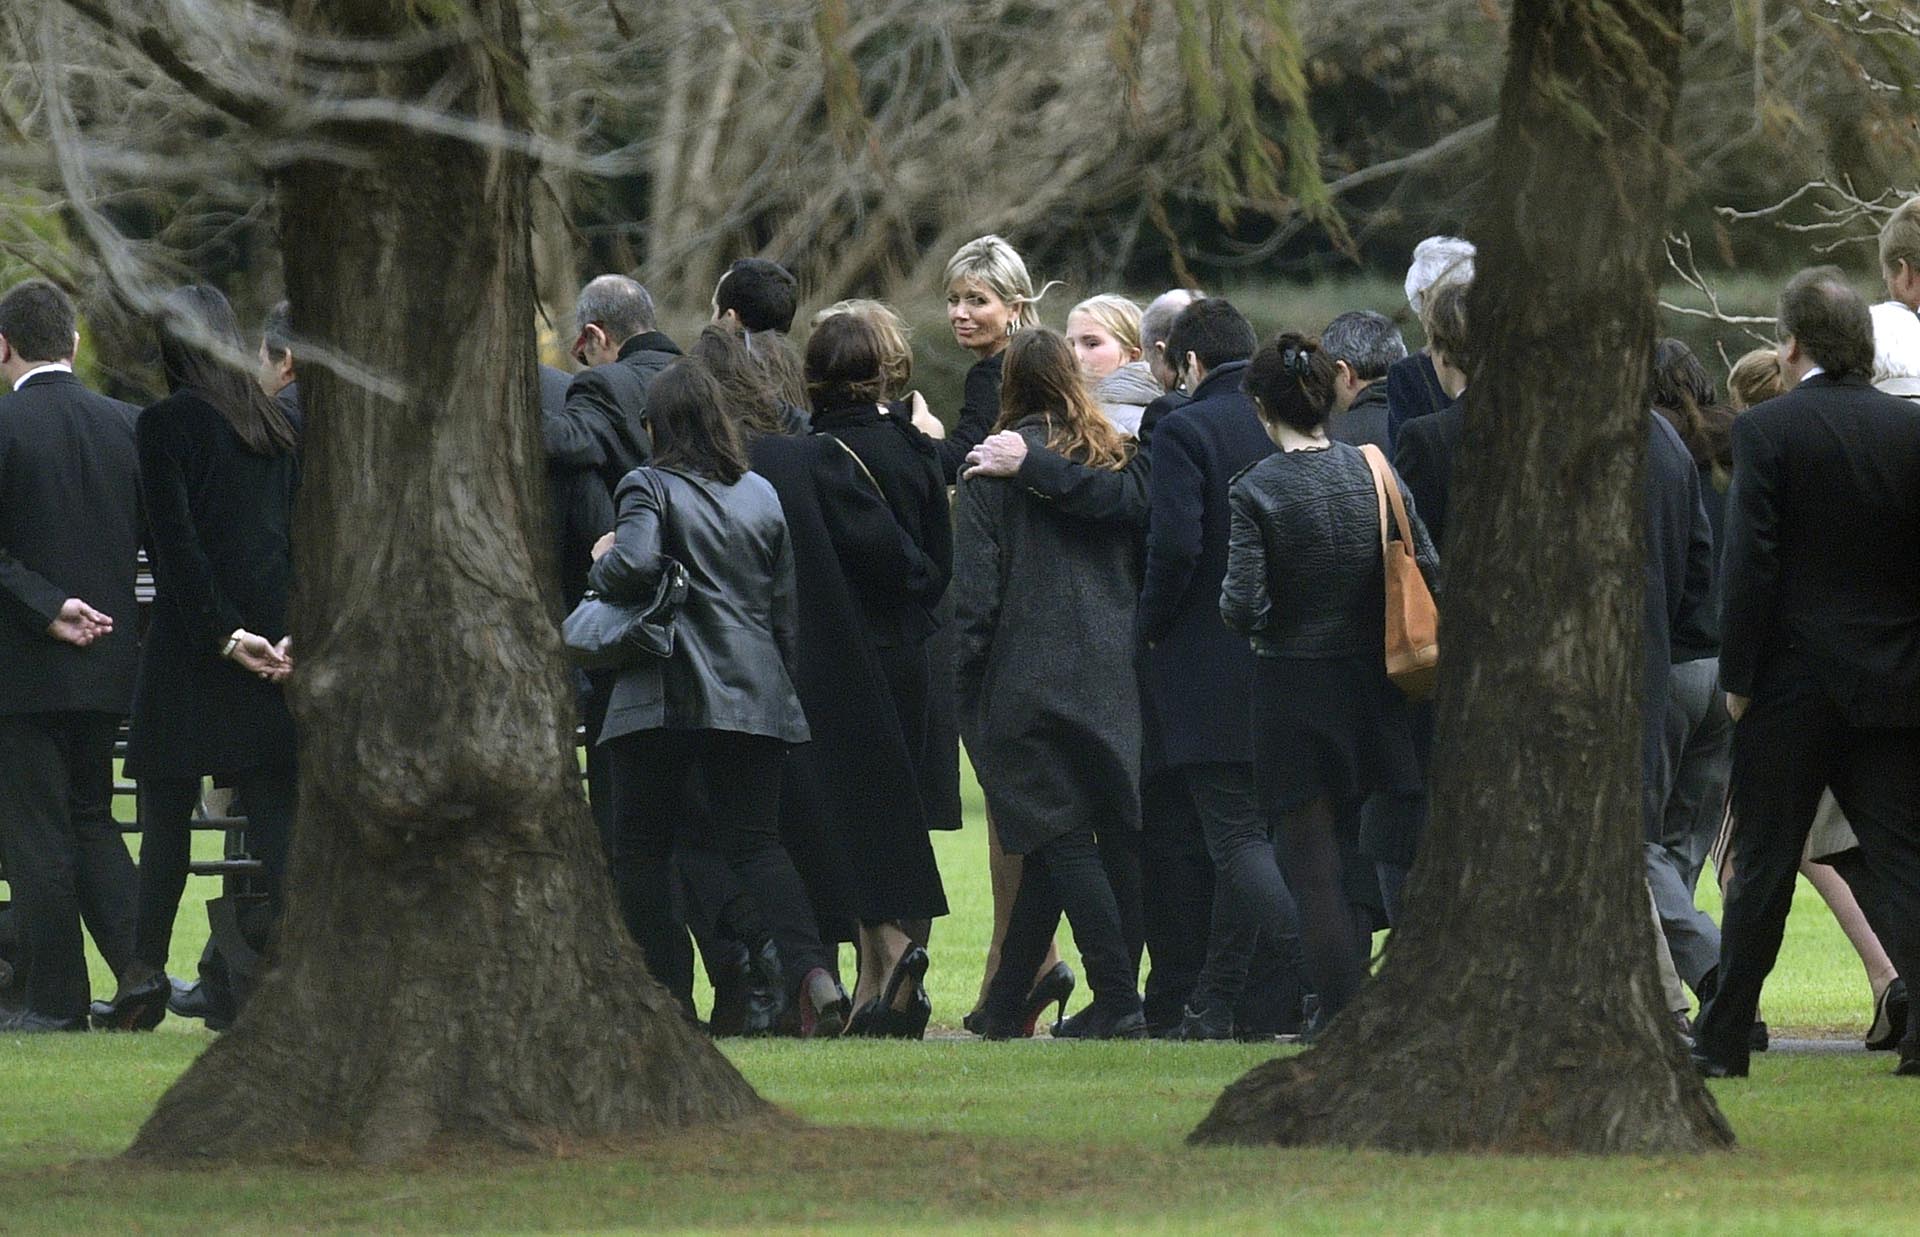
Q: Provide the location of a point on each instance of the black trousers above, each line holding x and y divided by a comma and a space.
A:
658, 778
1792, 743
1067, 874
65, 859
1251, 899
166, 847
1178, 920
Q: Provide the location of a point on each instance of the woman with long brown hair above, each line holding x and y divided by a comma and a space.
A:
1043, 607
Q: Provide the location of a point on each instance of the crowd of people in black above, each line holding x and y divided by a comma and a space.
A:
1141, 577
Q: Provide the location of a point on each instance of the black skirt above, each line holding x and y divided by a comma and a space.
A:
1329, 726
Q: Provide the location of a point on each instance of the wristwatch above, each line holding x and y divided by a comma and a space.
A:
233, 642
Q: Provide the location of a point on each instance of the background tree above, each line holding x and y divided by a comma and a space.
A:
1517, 1008
449, 963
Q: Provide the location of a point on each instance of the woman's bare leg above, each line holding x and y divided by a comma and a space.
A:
1004, 870
1846, 912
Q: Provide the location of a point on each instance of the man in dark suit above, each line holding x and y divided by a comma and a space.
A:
1820, 645
1196, 674
69, 534
603, 425
1363, 345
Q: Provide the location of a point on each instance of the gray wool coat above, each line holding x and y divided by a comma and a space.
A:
1049, 707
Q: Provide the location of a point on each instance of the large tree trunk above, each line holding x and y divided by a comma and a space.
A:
449, 965
1518, 1009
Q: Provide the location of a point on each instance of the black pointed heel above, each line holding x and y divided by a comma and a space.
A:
1053, 988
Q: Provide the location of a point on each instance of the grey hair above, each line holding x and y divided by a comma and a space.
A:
618, 305
276, 331
1368, 342
1156, 324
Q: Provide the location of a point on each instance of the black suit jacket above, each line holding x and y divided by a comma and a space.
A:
70, 526
1423, 456
581, 506
603, 425
1197, 674
1822, 561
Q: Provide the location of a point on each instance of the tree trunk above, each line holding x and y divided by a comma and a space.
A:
1518, 1009
449, 965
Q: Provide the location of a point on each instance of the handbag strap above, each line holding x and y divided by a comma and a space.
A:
1377, 464
862, 464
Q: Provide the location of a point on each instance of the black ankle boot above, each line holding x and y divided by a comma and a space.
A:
731, 981
1210, 1021
1099, 1021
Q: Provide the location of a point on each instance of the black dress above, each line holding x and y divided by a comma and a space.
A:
219, 521
852, 812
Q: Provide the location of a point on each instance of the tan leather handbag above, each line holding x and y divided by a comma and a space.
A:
1413, 621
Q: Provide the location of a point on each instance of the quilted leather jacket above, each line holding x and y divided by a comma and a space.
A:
1304, 576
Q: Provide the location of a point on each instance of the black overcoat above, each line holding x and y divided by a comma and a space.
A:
852, 810
1043, 621
220, 522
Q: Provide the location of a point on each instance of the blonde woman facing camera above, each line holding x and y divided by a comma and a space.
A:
989, 297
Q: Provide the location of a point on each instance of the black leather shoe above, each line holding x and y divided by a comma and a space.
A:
1710, 1068
26, 1022
1209, 1022
1093, 1022
136, 1007
1909, 1066
195, 1000
1889, 1018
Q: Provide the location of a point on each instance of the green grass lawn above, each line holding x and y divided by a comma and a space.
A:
961, 1136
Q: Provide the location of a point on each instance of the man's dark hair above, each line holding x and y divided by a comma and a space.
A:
1830, 321
1213, 330
763, 294
617, 305
38, 321
1368, 342
845, 363
276, 331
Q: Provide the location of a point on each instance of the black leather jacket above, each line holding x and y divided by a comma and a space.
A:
734, 639
1304, 576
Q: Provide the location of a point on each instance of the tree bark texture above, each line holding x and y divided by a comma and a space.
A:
450, 966
1518, 1008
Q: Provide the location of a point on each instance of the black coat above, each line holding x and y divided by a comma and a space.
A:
979, 409
902, 463
582, 508
1821, 566
1413, 391
1679, 569
603, 425
1043, 612
853, 808
69, 527
735, 649
1423, 456
220, 522
1365, 420
1197, 674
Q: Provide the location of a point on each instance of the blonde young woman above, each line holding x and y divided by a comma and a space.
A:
990, 295
1104, 332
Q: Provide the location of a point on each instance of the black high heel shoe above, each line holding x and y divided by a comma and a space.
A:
878, 1017
1053, 988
